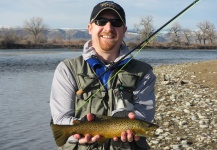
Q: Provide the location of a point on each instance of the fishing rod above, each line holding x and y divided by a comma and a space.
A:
147, 40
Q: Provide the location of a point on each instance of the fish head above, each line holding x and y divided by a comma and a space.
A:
147, 129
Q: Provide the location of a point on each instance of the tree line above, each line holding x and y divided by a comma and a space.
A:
34, 34
205, 34
35, 29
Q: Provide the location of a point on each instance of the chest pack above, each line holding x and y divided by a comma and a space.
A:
97, 99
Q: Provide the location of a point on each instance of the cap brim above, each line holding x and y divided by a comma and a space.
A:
107, 9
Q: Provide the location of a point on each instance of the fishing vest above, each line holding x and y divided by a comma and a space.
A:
97, 99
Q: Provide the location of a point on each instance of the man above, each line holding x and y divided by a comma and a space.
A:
125, 91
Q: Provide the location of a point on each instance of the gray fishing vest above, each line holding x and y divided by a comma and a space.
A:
97, 100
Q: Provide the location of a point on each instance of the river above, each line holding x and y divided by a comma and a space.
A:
25, 81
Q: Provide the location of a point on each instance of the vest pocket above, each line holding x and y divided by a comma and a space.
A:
128, 79
85, 79
91, 102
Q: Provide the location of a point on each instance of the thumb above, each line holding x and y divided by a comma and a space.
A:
131, 115
90, 117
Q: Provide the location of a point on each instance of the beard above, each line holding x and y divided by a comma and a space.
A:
108, 44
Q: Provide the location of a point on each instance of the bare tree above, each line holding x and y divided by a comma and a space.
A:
198, 37
187, 33
211, 34
175, 33
8, 37
145, 28
207, 31
36, 28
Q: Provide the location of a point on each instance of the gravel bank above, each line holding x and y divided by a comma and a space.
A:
186, 97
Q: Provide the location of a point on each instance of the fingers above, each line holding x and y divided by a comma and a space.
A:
77, 136
124, 136
95, 138
87, 138
115, 139
127, 136
90, 117
131, 115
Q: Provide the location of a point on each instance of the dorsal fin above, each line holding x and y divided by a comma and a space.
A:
98, 118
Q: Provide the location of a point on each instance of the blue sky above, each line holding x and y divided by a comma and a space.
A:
76, 13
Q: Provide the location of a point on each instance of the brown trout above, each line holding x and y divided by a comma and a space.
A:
107, 127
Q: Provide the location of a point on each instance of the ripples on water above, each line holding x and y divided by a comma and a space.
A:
25, 111
36, 60
25, 81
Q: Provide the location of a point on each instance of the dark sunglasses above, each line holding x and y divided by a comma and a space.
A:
104, 21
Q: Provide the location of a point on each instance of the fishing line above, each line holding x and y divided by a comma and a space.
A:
101, 87
140, 46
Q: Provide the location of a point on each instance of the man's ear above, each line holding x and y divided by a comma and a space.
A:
125, 29
89, 28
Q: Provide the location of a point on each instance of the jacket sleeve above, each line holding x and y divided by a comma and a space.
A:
144, 105
62, 96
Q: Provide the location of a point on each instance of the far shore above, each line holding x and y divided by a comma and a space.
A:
80, 46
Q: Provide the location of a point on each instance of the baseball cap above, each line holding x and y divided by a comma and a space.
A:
105, 6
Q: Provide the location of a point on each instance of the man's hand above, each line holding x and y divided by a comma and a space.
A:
87, 138
128, 135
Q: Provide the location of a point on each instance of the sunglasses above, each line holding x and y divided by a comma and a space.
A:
104, 21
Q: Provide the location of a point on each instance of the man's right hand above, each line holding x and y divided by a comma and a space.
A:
87, 138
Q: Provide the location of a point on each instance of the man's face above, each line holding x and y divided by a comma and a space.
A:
107, 37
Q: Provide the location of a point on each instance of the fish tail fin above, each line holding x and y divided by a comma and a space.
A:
60, 134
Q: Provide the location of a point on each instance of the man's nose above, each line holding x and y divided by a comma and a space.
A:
108, 26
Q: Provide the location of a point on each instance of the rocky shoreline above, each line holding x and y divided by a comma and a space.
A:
186, 107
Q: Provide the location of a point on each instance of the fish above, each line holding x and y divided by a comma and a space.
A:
105, 126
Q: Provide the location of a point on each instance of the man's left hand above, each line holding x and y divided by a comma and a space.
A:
128, 136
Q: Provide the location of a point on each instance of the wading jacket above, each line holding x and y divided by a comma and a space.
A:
130, 89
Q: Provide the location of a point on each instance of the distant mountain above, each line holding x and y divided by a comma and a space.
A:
75, 34
81, 34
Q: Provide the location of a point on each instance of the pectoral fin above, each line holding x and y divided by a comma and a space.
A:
98, 117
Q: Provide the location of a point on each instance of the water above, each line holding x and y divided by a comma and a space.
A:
25, 81
158, 57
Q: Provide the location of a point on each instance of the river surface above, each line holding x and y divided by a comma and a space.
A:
25, 81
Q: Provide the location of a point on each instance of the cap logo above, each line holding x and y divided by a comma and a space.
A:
110, 4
